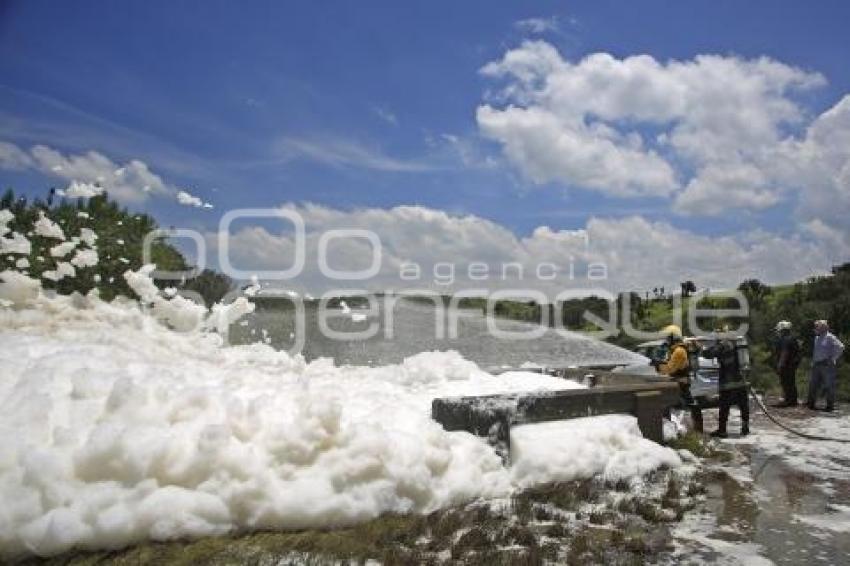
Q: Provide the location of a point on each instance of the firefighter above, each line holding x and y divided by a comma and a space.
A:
787, 358
678, 368
731, 385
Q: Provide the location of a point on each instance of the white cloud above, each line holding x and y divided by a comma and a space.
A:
92, 173
538, 25
339, 152
81, 190
820, 164
187, 199
466, 149
638, 254
133, 185
812, 171
130, 182
12, 157
546, 149
707, 131
385, 115
721, 187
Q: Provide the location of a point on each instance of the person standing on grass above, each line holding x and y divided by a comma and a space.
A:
787, 359
827, 351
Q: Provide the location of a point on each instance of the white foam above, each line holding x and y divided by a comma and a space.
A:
62, 249
826, 460
6, 216
85, 258
254, 288
63, 270
178, 312
17, 289
838, 521
88, 236
609, 446
46, 228
16, 243
118, 430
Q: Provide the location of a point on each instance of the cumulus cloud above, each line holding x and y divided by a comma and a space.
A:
637, 254
590, 156
81, 190
707, 131
820, 164
131, 182
91, 173
721, 187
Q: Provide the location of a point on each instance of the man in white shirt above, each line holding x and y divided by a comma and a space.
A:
825, 355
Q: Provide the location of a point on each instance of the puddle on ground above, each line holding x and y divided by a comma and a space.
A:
759, 509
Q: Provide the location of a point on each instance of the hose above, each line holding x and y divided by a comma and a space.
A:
789, 429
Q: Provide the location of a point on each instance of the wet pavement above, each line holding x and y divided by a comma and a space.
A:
780, 499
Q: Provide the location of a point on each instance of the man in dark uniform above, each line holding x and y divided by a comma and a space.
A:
731, 384
787, 360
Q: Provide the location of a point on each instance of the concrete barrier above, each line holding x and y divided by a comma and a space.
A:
492, 416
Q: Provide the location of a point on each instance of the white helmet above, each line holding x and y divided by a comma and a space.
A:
783, 325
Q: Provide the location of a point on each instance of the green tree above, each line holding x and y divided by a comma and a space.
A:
755, 291
119, 245
211, 285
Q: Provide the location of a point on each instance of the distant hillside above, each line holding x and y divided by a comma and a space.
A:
824, 297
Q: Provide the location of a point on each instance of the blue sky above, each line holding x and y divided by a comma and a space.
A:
364, 104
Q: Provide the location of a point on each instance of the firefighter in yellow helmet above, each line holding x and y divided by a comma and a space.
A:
677, 367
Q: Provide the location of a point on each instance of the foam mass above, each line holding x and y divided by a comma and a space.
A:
130, 420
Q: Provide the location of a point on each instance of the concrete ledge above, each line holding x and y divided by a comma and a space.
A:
492, 416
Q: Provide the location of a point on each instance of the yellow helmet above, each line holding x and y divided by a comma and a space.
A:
672, 331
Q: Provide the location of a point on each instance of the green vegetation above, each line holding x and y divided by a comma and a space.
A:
119, 246
824, 297
821, 297
211, 285
699, 445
